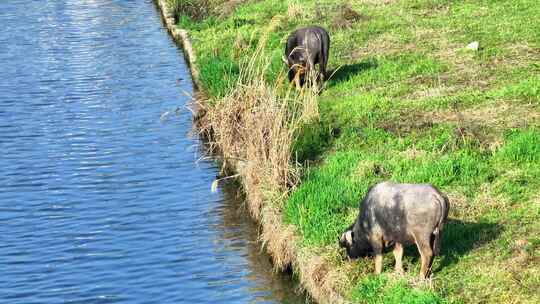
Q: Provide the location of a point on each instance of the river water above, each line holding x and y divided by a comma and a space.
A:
102, 199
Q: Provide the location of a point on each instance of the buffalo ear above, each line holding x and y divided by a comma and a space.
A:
349, 237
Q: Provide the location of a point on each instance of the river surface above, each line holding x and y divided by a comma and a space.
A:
102, 199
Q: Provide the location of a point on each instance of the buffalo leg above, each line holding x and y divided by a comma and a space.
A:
322, 70
398, 255
426, 255
377, 247
320, 78
378, 262
297, 81
291, 74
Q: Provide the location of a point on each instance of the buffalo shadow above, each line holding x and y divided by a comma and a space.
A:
345, 72
458, 239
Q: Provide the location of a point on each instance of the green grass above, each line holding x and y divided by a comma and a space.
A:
409, 103
380, 290
522, 147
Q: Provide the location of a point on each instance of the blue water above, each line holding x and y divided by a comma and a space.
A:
102, 199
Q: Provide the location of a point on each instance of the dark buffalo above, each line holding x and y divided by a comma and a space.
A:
398, 214
305, 48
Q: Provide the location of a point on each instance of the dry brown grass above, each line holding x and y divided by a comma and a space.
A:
254, 128
386, 44
295, 10
279, 240
487, 122
320, 275
470, 210
463, 70
413, 153
484, 123
228, 7
376, 2
251, 127
255, 124
500, 114
346, 17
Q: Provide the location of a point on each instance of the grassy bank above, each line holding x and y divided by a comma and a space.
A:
408, 102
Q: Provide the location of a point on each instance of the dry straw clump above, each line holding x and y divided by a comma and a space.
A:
279, 239
254, 127
320, 276
295, 10
346, 16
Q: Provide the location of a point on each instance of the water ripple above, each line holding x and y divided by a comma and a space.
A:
101, 200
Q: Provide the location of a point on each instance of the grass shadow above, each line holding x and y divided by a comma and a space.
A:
314, 139
345, 72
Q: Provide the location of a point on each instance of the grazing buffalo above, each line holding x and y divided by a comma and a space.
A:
305, 48
399, 214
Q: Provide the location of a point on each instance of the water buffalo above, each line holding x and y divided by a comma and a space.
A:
305, 48
399, 214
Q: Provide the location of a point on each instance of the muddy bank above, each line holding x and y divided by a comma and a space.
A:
182, 37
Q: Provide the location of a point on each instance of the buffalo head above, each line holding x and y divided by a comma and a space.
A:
355, 244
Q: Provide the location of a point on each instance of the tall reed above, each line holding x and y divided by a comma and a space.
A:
255, 125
